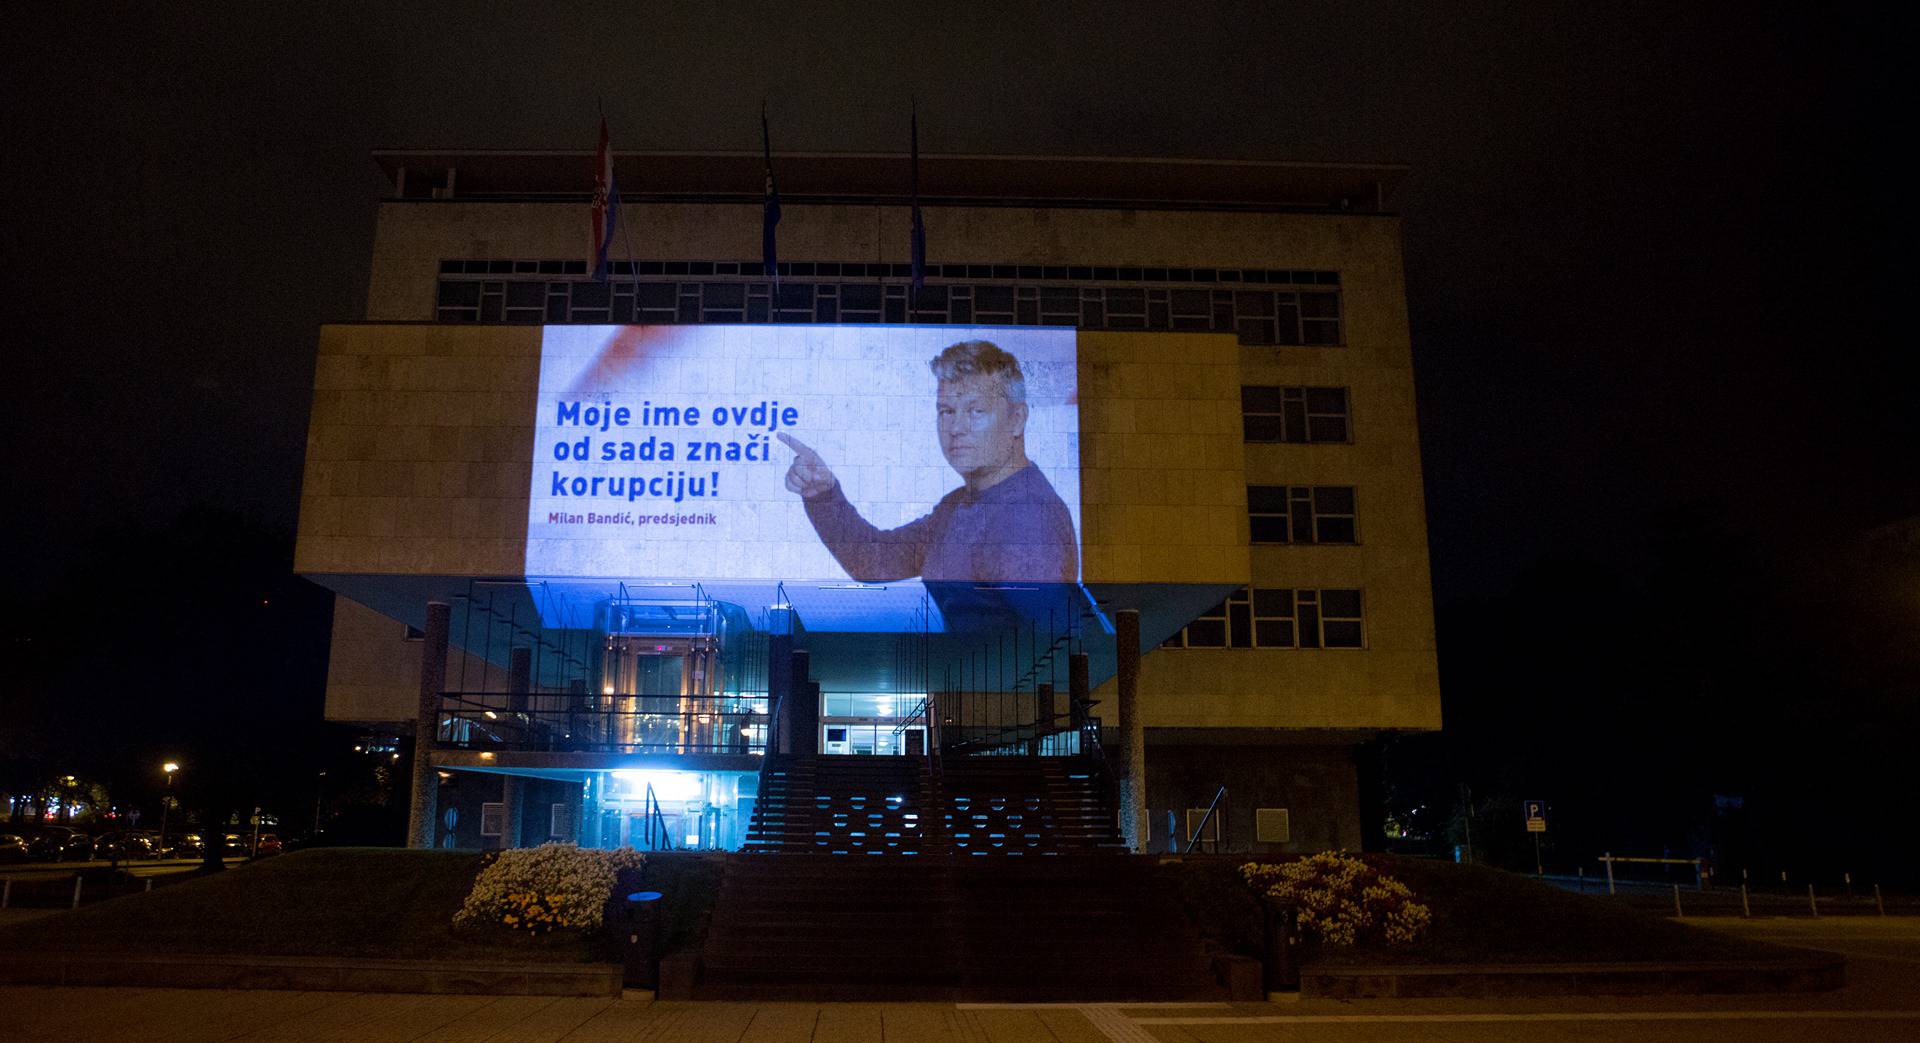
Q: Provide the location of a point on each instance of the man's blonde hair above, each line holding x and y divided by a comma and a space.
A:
981, 358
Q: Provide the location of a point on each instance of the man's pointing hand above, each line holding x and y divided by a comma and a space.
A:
809, 475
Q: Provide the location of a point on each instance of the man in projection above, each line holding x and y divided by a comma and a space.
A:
1005, 524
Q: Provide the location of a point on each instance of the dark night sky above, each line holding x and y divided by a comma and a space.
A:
1648, 247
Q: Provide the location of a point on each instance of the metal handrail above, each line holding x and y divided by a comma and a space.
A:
1201, 830
655, 817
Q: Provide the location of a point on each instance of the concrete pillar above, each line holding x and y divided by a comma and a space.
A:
779, 691
519, 678
424, 810
513, 789
1079, 690
1132, 731
804, 703
1043, 722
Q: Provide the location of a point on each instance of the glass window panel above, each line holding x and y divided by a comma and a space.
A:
1273, 633
1309, 626
1207, 633
1240, 622
1303, 522
1334, 530
459, 295
1272, 602
1327, 428
1266, 499
1333, 499
1341, 633
1257, 399
1343, 603
993, 298
1296, 417
1319, 305
1327, 400
1268, 528
533, 294
1255, 331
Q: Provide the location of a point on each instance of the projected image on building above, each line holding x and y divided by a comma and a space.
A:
944, 456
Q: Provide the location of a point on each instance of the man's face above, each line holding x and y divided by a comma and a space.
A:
981, 430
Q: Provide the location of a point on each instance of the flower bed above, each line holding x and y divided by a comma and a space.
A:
1340, 900
540, 889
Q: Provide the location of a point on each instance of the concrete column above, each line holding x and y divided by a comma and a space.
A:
513, 794
804, 715
1132, 731
513, 789
1079, 690
519, 678
424, 810
1043, 722
780, 691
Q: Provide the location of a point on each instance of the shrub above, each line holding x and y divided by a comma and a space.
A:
1341, 900
537, 889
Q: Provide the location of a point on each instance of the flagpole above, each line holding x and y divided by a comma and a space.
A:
626, 236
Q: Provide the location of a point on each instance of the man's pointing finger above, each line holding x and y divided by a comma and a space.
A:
799, 448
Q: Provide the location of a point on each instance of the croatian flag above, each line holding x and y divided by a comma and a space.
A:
606, 205
770, 208
917, 235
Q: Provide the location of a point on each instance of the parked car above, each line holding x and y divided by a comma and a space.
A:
59, 844
269, 845
13, 848
126, 847
184, 845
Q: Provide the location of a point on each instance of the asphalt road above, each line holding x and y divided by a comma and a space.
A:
1880, 1003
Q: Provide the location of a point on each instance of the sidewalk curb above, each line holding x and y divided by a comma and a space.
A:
309, 973
1813, 973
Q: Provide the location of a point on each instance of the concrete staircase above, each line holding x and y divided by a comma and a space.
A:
1003, 879
1093, 928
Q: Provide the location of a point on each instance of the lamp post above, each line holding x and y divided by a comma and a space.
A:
319, 793
166, 801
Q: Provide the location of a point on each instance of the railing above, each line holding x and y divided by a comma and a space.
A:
1201, 830
549, 722
654, 835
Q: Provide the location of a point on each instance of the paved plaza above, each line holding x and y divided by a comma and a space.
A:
1880, 1003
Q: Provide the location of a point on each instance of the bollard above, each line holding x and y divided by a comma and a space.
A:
1676, 901
149, 886
1847, 878
640, 922
6, 894
1783, 883
1583, 879
76, 890
1745, 910
1278, 971
1813, 903
1608, 859
1877, 903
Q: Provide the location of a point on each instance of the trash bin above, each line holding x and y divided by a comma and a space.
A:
639, 928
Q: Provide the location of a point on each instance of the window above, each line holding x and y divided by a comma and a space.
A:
1273, 617
1275, 307
1301, 514
1294, 414
493, 819
1272, 826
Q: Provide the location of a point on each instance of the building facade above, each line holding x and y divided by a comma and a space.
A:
1243, 445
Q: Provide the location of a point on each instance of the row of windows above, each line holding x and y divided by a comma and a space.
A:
1263, 316
1302, 514
1294, 414
857, 270
1267, 617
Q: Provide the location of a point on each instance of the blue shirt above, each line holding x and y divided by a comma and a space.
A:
1016, 531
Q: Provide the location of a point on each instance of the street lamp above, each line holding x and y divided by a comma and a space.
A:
166, 801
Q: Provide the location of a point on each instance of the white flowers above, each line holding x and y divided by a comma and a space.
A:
537, 889
1341, 900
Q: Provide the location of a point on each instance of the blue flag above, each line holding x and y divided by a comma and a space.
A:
770, 210
918, 246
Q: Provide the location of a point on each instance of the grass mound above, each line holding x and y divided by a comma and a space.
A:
367, 902
1480, 915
